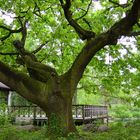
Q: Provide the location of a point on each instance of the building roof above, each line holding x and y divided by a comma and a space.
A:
4, 87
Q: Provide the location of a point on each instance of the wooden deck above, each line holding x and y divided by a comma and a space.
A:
81, 113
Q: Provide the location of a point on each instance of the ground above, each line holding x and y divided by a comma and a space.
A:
117, 131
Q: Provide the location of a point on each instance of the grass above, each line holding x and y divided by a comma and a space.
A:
117, 131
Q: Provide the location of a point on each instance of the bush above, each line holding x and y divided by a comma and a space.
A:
54, 131
4, 117
10, 132
117, 131
124, 111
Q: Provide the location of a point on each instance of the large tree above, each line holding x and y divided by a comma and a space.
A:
45, 39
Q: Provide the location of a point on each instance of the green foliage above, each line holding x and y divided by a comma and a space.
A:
12, 133
86, 97
46, 22
117, 131
54, 129
8, 133
4, 116
71, 136
125, 111
17, 100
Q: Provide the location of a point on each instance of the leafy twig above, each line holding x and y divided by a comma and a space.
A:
85, 11
10, 32
9, 53
39, 48
83, 34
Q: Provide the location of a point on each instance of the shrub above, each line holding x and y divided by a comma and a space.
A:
125, 111
4, 117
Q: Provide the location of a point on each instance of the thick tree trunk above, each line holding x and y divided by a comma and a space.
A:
59, 112
62, 120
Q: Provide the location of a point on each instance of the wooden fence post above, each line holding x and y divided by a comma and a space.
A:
34, 114
83, 113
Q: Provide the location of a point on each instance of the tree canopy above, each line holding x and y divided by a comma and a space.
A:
56, 31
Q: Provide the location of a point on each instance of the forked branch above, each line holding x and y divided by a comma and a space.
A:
10, 31
83, 34
85, 11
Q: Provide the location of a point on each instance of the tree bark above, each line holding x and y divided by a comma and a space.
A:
60, 117
58, 107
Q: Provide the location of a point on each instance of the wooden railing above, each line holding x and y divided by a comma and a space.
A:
80, 112
89, 111
27, 111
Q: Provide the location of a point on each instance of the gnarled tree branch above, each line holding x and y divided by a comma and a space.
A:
36, 70
21, 83
83, 34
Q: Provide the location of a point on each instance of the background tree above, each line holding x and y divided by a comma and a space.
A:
42, 57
